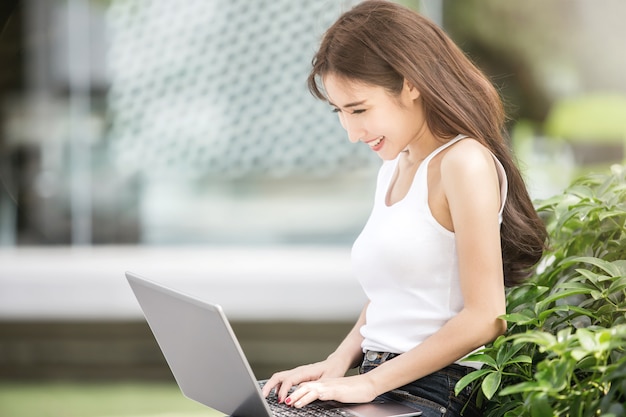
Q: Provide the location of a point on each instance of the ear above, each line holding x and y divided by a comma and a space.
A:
411, 90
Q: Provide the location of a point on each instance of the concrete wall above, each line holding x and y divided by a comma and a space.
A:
69, 312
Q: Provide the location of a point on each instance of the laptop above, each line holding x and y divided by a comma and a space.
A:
210, 367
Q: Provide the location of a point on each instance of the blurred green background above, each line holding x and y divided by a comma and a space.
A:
97, 399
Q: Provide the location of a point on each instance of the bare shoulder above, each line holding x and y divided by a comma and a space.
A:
467, 157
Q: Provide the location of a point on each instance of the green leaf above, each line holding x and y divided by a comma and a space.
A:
548, 203
542, 339
520, 359
587, 340
520, 318
608, 267
564, 335
575, 285
540, 407
505, 353
617, 285
525, 294
554, 375
560, 295
483, 358
621, 263
522, 387
517, 410
578, 354
500, 340
469, 378
582, 191
592, 277
566, 308
491, 383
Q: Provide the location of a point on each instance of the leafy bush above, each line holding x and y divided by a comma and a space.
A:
564, 351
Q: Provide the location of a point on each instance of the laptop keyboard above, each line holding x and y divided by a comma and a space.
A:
312, 410
317, 408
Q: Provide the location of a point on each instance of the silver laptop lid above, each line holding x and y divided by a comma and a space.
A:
207, 362
201, 350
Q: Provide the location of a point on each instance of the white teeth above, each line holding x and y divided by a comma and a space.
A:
376, 142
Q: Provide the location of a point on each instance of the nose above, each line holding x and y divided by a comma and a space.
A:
355, 131
353, 137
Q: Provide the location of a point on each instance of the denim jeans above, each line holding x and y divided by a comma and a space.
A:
434, 393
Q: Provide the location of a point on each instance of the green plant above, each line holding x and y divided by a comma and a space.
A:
564, 351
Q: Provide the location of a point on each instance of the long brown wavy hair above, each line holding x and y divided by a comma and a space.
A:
382, 43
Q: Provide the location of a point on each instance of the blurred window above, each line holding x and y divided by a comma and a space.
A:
163, 122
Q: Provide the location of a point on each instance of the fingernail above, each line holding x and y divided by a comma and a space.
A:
288, 401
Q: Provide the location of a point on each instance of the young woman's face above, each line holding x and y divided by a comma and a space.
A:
388, 124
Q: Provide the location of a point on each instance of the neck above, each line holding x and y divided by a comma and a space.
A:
421, 147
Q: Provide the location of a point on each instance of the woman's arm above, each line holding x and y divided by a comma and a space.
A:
347, 355
350, 353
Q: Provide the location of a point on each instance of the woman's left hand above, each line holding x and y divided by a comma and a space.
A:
351, 389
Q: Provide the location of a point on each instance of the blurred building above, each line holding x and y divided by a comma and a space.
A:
165, 123
153, 122
178, 140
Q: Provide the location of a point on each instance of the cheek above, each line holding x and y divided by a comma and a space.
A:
406, 123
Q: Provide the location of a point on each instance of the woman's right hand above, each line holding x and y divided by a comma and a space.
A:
283, 381
347, 355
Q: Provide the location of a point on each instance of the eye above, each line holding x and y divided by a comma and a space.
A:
359, 111
336, 110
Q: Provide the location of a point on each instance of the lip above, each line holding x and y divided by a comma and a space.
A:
375, 146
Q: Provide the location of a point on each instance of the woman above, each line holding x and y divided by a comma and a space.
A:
452, 222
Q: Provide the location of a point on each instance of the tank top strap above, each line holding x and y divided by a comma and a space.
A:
504, 185
419, 188
502, 178
441, 148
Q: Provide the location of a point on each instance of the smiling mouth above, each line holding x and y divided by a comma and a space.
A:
374, 143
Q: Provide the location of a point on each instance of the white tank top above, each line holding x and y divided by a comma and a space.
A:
407, 264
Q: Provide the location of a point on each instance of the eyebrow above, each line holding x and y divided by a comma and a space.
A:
354, 104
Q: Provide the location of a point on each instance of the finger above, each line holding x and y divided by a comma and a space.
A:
274, 383
269, 385
267, 388
283, 392
308, 398
303, 396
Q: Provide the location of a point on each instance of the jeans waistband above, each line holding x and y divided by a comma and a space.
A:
454, 370
379, 357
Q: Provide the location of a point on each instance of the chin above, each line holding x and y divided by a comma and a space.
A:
386, 156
